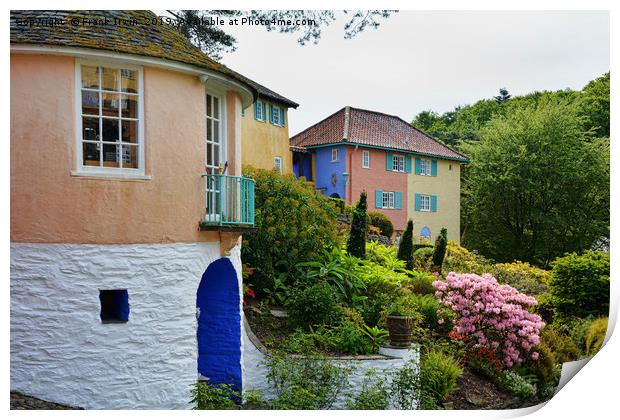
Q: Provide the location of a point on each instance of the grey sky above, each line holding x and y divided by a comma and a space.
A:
420, 60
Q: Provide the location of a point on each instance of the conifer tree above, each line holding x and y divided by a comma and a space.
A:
356, 244
405, 248
439, 252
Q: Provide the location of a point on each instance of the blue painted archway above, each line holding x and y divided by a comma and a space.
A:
219, 325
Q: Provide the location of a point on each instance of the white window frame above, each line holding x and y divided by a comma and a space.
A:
98, 171
223, 143
278, 164
425, 167
398, 163
275, 117
262, 106
335, 154
425, 202
388, 200
366, 159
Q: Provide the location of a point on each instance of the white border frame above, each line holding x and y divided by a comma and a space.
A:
84, 170
212, 90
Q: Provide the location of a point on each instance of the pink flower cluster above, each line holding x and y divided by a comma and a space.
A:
492, 315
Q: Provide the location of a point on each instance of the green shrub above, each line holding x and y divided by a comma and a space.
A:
381, 221
418, 246
420, 283
349, 338
405, 248
315, 305
213, 397
421, 259
373, 395
461, 260
379, 293
517, 385
405, 306
429, 307
580, 285
544, 368
563, 348
405, 387
438, 375
253, 400
523, 277
545, 307
339, 204
298, 342
439, 251
294, 223
308, 383
575, 328
356, 244
383, 255
596, 336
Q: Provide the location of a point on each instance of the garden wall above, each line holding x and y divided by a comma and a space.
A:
255, 373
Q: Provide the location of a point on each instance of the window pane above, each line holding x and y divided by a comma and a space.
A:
129, 131
216, 131
209, 154
129, 81
129, 106
90, 128
90, 77
209, 106
109, 79
216, 108
90, 102
90, 153
130, 156
216, 155
110, 104
110, 158
110, 129
209, 130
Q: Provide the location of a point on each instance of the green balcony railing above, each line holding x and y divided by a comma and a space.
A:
229, 200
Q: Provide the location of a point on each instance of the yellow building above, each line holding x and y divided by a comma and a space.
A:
434, 198
264, 131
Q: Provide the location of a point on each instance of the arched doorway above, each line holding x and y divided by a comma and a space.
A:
219, 325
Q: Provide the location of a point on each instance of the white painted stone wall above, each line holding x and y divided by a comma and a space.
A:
255, 373
60, 350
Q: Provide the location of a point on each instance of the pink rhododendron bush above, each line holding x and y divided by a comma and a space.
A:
492, 315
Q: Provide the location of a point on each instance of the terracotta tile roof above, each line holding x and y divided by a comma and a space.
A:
375, 129
159, 41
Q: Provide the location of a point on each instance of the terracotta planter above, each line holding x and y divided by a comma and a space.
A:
401, 329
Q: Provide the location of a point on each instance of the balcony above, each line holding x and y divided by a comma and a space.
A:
229, 203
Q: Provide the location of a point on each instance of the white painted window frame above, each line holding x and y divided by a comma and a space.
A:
388, 200
278, 164
425, 202
107, 172
223, 144
398, 163
262, 109
425, 167
335, 154
276, 118
366, 159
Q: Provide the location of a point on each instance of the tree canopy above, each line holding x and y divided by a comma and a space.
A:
214, 40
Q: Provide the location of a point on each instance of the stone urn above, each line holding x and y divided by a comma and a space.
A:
400, 329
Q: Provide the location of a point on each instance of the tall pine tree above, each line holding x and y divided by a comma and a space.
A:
439, 252
405, 248
356, 244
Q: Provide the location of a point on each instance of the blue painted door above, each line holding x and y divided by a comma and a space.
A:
219, 325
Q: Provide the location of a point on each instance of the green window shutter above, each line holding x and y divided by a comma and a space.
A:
264, 106
398, 200
433, 203
256, 105
418, 202
379, 199
282, 116
433, 167
418, 166
389, 162
408, 164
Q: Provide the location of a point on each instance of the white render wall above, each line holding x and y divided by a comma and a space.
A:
255, 372
60, 350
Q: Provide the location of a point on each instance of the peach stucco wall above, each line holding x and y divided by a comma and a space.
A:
376, 178
48, 204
